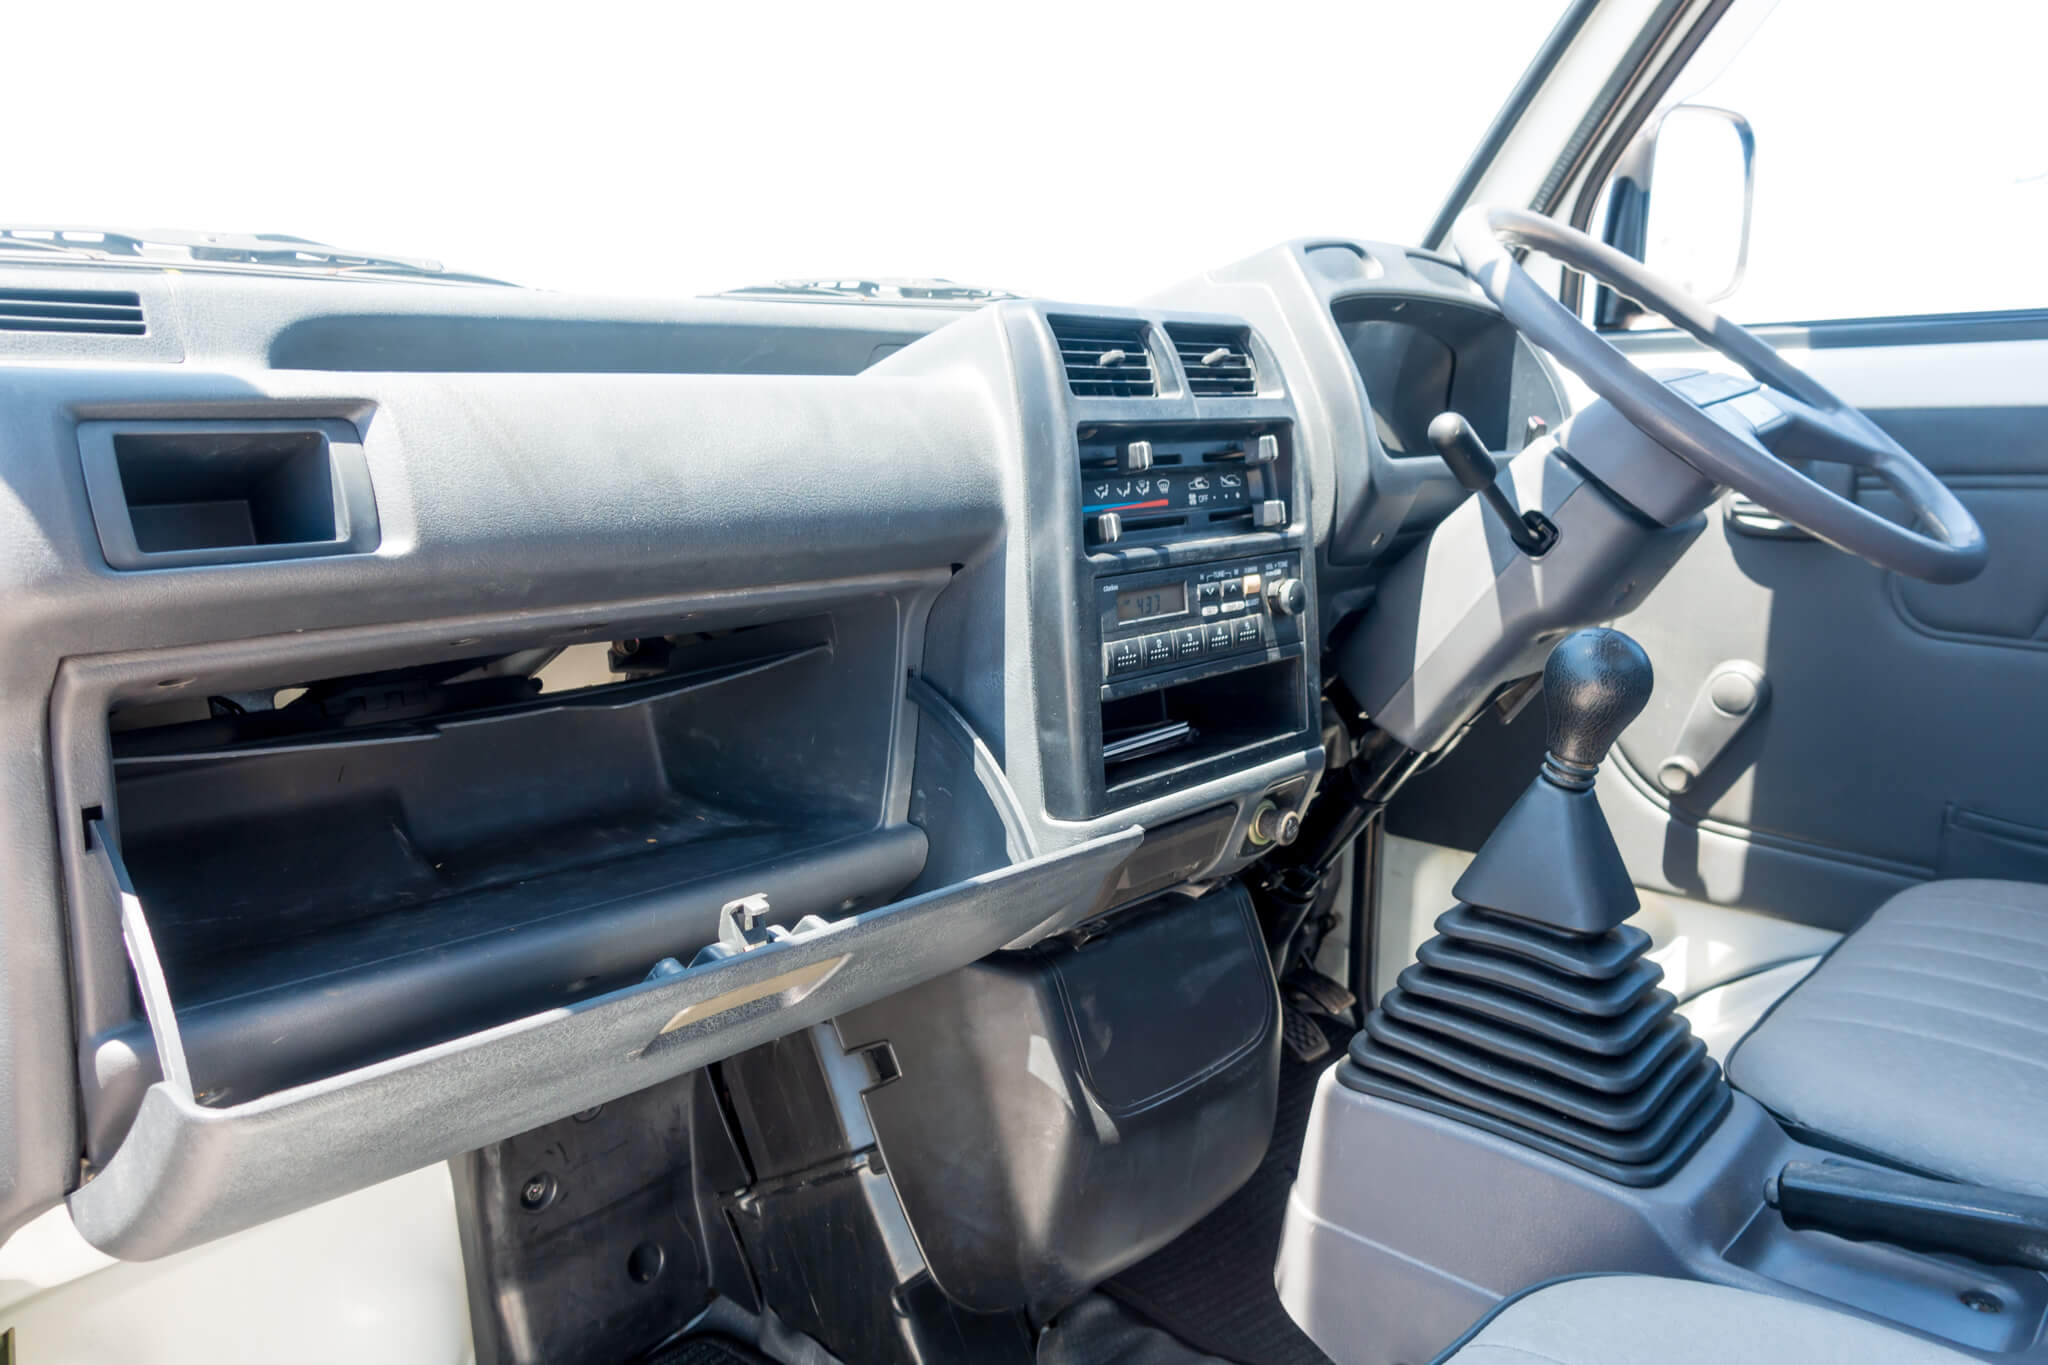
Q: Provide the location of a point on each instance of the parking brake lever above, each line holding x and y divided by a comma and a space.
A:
1461, 449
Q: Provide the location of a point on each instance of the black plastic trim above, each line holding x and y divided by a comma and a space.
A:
1603, 959
1997, 1227
1609, 1037
1598, 1071
1617, 995
1555, 1139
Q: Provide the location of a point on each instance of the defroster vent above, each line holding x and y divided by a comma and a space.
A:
1217, 361
105, 312
1105, 357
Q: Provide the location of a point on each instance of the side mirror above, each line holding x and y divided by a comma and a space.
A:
1681, 205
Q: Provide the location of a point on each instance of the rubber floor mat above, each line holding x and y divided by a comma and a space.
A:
709, 1349
1212, 1287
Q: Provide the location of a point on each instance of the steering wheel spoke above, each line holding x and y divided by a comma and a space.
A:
1746, 434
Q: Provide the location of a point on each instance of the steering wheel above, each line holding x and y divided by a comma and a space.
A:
1734, 434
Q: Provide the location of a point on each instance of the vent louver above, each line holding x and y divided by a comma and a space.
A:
107, 312
1105, 357
1218, 361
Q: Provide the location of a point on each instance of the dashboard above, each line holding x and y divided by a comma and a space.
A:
403, 683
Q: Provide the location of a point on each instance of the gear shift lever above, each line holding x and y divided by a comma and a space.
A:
1533, 1013
1552, 859
1594, 684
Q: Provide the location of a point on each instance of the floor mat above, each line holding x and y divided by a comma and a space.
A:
709, 1349
1212, 1287
1100, 1331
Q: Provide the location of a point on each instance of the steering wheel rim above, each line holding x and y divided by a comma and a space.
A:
1725, 446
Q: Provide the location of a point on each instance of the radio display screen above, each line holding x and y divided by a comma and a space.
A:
1144, 604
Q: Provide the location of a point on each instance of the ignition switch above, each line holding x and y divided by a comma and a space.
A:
1272, 824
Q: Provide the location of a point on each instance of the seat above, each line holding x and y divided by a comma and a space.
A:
1922, 1040
1632, 1319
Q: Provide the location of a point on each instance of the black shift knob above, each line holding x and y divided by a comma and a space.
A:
1595, 683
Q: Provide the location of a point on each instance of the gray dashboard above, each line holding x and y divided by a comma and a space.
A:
307, 886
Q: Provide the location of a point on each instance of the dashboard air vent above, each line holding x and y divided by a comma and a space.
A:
109, 312
1105, 357
1217, 360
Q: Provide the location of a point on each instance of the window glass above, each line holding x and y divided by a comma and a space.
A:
1901, 159
1069, 148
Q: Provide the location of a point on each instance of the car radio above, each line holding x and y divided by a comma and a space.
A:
1167, 625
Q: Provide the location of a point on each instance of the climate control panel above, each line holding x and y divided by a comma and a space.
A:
1154, 485
1170, 621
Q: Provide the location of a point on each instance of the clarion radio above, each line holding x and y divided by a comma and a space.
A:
1207, 618
1203, 667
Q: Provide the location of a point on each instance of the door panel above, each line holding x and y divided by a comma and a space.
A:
1905, 733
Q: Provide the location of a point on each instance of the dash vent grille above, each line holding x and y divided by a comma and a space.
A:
1105, 357
107, 312
1217, 361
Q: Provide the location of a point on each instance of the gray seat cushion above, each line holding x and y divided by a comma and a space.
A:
1635, 1319
1923, 1038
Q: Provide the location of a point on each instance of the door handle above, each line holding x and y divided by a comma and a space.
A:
1734, 694
1751, 518
1747, 516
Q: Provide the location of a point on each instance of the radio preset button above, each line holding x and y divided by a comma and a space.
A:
1188, 643
1159, 649
1123, 656
1218, 637
1249, 632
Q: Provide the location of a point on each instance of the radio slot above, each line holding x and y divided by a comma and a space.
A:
1145, 742
1159, 738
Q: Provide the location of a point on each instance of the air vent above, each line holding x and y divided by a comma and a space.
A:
1105, 357
1217, 360
108, 312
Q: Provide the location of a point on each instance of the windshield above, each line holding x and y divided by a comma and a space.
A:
1081, 151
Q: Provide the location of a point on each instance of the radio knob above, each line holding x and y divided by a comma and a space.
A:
1287, 597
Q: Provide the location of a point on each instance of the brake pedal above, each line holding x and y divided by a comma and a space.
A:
1313, 991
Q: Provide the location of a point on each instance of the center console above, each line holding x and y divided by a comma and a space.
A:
1196, 625
1526, 1105
1200, 665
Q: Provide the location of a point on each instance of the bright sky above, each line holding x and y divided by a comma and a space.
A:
1088, 151
1901, 157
